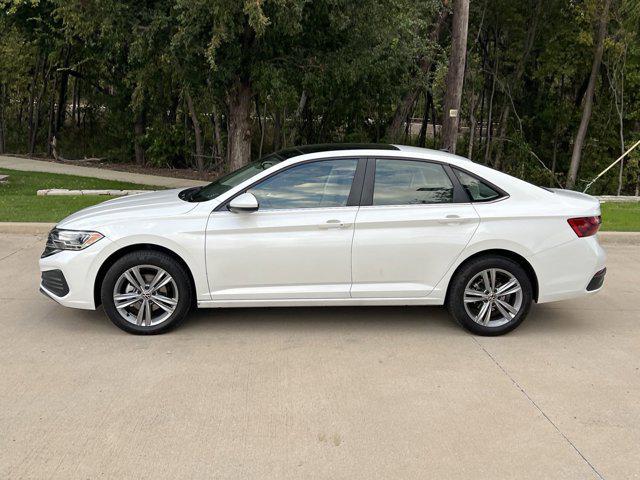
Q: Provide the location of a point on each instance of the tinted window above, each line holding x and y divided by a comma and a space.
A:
476, 188
402, 182
309, 185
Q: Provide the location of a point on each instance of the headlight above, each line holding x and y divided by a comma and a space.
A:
59, 240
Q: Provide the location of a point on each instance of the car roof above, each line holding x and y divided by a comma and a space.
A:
292, 152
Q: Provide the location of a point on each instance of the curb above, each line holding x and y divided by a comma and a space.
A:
33, 228
619, 238
111, 193
26, 228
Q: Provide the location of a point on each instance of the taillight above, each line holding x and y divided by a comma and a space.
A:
585, 226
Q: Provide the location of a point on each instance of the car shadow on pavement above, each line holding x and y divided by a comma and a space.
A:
406, 319
324, 318
553, 317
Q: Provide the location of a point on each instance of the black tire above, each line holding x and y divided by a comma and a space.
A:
468, 271
155, 259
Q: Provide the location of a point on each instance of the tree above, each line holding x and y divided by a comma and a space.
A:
174, 83
425, 64
237, 41
455, 75
588, 96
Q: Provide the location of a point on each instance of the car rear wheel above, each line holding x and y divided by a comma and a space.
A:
146, 293
490, 295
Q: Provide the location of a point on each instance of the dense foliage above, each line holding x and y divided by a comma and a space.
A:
208, 84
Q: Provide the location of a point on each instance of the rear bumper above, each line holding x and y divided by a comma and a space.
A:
572, 270
597, 281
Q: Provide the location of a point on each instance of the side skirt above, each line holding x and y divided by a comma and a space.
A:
318, 302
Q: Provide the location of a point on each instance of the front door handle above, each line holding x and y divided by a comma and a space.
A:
332, 224
451, 219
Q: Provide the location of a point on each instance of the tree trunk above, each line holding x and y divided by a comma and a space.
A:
502, 134
621, 172
51, 131
263, 127
215, 118
455, 75
472, 124
32, 99
297, 118
487, 143
38, 103
62, 95
402, 112
78, 103
21, 112
3, 94
554, 156
422, 137
239, 142
618, 97
588, 97
74, 98
197, 131
409, 98
407, 124
277, 130
139, 127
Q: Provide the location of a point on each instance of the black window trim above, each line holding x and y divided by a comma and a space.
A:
459, 194
502, 195
353, 200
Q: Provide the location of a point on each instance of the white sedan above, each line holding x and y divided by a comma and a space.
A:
331, 225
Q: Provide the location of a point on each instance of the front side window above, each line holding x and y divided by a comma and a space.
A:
405, 182
477, 190
227, 182
320, 184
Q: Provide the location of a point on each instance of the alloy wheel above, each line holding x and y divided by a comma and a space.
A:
145, 295
493, 297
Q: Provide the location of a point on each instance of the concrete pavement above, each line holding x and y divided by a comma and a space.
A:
31, 165
353, 393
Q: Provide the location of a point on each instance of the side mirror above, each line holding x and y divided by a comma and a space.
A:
247, 203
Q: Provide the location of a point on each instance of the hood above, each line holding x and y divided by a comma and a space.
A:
164, 203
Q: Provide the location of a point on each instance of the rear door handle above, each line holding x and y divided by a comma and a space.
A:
332, 224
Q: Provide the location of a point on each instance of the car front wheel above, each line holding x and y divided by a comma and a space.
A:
490, 295
146, 292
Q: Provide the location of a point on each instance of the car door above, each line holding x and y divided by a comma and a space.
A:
414, 221
297, 244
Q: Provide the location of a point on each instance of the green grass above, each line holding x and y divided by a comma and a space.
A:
19, 202
620, 217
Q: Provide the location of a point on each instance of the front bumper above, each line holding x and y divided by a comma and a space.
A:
75, 269
55, 282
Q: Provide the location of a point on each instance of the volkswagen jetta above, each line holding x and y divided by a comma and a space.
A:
331, 225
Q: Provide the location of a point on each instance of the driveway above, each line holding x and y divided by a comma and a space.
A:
353, 393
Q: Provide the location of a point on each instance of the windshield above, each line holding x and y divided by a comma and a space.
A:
227, 182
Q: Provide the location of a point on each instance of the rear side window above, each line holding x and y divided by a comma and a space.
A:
477, 190
405, 182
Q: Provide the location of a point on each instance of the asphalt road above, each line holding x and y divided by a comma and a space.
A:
353, 393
